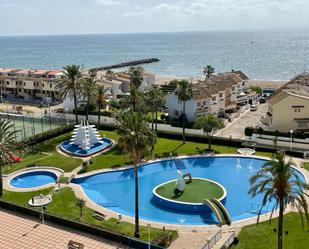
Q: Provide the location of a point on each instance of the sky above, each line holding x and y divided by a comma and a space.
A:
41, 17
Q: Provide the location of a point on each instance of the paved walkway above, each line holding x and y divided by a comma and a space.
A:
18, 232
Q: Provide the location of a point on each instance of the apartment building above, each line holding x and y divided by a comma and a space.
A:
216, 95
29, 85
288, 108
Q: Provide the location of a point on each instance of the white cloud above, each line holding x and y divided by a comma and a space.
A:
107, 2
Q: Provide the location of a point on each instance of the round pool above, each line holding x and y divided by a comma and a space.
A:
33, 179
74, 150
115, 190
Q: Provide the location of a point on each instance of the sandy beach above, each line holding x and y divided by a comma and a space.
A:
161, 80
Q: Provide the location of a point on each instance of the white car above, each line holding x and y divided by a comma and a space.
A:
253, 108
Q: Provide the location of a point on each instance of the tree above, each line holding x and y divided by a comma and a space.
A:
8, 146
256, 89
102, 94
137, 140
136, 79
208, 71
154, 98
81, 204
109, 74
184, 93
89, 90
209, 124
69, 85
277, 181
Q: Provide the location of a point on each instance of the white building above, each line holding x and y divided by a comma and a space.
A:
216, 95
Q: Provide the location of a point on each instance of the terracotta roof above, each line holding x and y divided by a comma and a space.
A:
241, 75
54, 72
40, 71
23, 71
6, 70
277, 97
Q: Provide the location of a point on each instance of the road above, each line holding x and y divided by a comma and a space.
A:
236, 129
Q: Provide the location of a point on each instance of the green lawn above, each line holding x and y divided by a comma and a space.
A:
64, 205
113, 158
306, 166
195, 192
262, 236
47, 156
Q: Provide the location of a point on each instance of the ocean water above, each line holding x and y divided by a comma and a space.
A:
260, 54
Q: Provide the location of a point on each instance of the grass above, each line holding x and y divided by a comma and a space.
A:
195, 192
47, 156
262, 236
64, 205
115, 158
306, 166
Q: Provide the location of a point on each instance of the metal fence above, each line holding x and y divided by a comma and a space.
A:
27, 125
214, 239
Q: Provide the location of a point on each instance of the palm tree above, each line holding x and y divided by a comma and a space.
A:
154, 98
184, 93
69, 85
277, 181
8, 146
208, 71
88, 89
109, 74
102, 94
136, 79
80, 203
209, 124
137, 140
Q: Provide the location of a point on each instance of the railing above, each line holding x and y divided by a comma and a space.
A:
210, 243
229, 241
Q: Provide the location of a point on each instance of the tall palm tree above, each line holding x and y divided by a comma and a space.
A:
8, 146
69, 85
102, 98
154, 98
89, 90
137, 140
136, 79
208, 71
278, 182
81, 204
184, 93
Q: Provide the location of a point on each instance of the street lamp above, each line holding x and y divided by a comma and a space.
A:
149, 226
291, 144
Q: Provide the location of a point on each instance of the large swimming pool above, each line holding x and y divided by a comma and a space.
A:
115, 190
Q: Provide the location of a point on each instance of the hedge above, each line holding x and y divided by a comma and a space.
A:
249, 131
125, 240
49, 134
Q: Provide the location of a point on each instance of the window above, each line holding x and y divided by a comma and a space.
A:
297, 109
7, 82
214, 98
198, 103
221, 95
176, 113
204, 102
50, 85
302, 124
43, 84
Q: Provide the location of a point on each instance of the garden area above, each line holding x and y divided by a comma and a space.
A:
264, 235
45, 154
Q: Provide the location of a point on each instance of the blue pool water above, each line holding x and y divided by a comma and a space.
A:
77, 151
33, 179
115, 190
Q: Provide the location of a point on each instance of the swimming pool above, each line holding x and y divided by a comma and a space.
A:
75, 150
115, 190
33, 179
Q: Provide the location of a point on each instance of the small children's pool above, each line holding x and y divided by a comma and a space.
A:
75, 150
33, 179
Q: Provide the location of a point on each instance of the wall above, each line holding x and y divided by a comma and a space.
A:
284, 115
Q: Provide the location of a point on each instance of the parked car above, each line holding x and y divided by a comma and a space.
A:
262, 100
253, 108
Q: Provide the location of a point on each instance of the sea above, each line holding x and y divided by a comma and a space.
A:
268, 55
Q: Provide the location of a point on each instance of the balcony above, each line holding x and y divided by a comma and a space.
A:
202, 111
